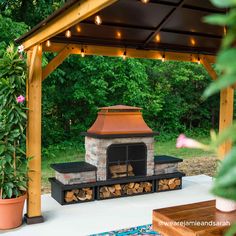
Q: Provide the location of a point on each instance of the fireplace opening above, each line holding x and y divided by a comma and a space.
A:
126, 160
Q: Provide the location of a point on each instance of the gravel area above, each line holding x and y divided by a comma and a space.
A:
199, 165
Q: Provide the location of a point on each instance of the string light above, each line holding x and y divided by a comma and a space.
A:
68, 34
193, 42
118, 34
78, 28
48, 43
39, 47
163, 57
158, 38
198, 60
124, 55
145, 1
98, 20
225, 30
82, 52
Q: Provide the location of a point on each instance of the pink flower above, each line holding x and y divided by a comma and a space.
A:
20, 99
184, 142
21, 49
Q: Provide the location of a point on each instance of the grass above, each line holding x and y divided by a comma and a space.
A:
168, 148
70, 152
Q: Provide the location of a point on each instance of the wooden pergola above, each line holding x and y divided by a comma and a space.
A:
154, 29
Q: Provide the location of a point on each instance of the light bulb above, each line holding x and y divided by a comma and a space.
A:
124, 55
193, 42
145, 1
225, 30
198, 61
163, 58
48, 43
118, 34
82, 52
68, 34
158, 38
98, 20
78, 28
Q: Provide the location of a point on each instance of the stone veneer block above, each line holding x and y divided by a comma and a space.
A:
166, 168
96, 152
75, 172
76, 178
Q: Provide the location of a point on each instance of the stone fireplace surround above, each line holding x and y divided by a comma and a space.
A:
96, 152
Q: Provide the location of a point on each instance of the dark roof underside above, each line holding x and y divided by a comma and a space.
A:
173, 25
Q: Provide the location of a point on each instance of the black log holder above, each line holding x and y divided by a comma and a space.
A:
59, 189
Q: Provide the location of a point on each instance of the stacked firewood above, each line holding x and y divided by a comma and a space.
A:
118, 171
118, 190
168, 184
84, 194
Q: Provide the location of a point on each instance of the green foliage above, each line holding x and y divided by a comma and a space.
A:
225, 182
13, 164
10, 30
168, 93
29, 11
226, 62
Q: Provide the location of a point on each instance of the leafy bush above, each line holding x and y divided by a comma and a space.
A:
13, 163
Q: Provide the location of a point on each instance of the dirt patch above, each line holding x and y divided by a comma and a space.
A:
199, 165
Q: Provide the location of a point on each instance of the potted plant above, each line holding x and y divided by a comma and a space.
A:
13, 162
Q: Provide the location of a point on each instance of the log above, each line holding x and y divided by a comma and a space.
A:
69, 196
117, 193
81, 196
177, 181
131, 185
119, 171
121, 168
118, 190
136, 186
140, 189
111, 189
117, 186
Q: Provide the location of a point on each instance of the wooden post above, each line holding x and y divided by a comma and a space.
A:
226, 116
33, 143
226, 107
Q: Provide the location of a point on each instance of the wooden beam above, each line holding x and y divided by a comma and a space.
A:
56, 61
205, 62
73, 15
226, 117
32, 61
33, 141
132, 53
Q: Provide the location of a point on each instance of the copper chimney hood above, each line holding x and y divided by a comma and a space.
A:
119, 121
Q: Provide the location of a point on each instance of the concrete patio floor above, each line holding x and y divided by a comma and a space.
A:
100, 216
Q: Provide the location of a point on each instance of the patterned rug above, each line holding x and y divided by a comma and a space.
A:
139, 230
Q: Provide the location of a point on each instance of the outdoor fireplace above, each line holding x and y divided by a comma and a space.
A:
119, 161
120, 144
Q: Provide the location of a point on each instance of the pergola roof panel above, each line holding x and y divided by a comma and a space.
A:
192, 21
134, 13
178, 24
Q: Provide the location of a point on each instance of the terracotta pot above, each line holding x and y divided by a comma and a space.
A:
225, 205
11, 211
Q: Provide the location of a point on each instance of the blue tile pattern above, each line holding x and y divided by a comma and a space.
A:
139, 230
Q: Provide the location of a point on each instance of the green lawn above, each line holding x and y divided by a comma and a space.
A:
71, 153
168, 148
